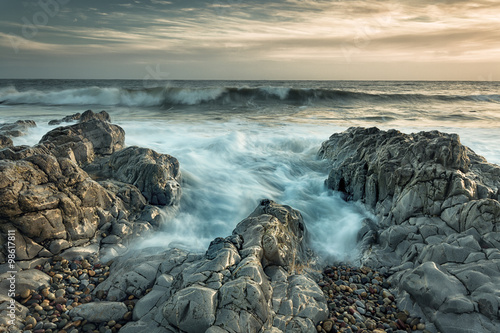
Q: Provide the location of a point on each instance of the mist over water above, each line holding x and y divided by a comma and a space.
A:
228, 167
240, 142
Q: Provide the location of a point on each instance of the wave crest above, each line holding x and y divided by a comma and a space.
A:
170, 96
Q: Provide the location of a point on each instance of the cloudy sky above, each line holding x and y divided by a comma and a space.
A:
247, 39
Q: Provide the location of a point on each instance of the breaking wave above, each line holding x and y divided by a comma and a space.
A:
171, 96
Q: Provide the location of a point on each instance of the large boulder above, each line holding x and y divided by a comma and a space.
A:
52, 204
438, 210
157, 176
85, 141
247, 282
45, 199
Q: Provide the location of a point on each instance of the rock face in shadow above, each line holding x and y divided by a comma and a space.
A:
439, 220
247, 282
16, 129
157, 176
82, 117
52, 203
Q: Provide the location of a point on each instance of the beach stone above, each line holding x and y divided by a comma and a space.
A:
100, 311
31, 279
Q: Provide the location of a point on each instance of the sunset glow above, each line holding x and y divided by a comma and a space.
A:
235, 39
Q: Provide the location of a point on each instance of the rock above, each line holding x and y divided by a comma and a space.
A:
11, 312
16, 129
31, 279
66, 119
52, 204
192, 309
86, 116
437, 206
84, 141
131, 276
5, 141
49, 201
157, 176
89, 115
99, 312
243, 283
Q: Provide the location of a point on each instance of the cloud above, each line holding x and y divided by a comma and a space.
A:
222, 31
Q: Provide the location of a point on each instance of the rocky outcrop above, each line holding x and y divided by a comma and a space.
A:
247, 282
439, 220
157, 176
85, 141
16, 129
52, 204
82, 117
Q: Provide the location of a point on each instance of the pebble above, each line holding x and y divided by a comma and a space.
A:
72, 284
362, 305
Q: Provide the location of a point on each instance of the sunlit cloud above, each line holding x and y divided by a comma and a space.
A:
299, 32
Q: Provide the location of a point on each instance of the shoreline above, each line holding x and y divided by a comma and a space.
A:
121, 211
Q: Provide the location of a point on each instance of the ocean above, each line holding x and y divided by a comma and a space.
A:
241, 141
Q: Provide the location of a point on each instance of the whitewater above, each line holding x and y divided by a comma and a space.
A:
241, 141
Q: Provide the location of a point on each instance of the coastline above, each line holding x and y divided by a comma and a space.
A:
267, 259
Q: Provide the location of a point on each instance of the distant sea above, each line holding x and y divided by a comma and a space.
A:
241, 141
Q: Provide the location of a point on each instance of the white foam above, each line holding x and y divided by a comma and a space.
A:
229, 167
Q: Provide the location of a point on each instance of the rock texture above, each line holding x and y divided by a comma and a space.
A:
82, 117
247, 282
53, 204
439, 220
157, 176
16, 129
83, 142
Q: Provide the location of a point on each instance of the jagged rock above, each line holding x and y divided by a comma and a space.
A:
247, 282
5, 141
16, 129
52, 204
82, 142
46, 199
86, 116
157, 176
439, 216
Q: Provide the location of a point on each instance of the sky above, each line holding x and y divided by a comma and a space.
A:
237, 39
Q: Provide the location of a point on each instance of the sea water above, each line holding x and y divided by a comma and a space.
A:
242, 141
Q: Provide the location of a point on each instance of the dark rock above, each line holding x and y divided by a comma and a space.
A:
5, 141
19, 128
157, 176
